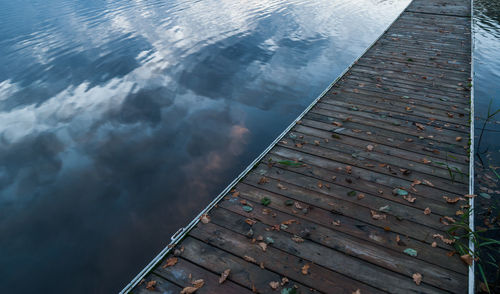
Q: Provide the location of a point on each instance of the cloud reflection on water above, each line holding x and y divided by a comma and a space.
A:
120, 120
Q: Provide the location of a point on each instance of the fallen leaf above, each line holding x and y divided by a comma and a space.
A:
361, 196
434, 244
316, 142
428, 183
427, 211
284, 280
198, 283
250, 221
265, 201
452, 200
467, 258
336, 223
297, 239
281, 186
377, 216
358, 291
263, 180
263, 246
337, 124
236, 194
411, 252
470, 195
417, 278
425, 160
290, 221
249, 259
205, 219
421, 127
409, 198
305, 268
447, 241
274, 285
170, 262
320, 185
369, 147
348, 169
224, 276
458, 139
416, 182
151, 285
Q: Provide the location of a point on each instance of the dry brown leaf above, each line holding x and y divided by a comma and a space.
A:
274, 285
250, 221
447, 241
316, 142
337, 124
452, 200
263, 180
170, 262
434, 244
189, 290
409, 198
236, 194
151, 285
358, 291
348, 169
416, 182
281, 186
449, 218
377, 216
198, 283
470, 195
428, 183
336, 223
320, 185
297, 239
458, 139
467, 258
263, 246
224, 276
361, 196
420, 126
427, 211
284, 280
305, 269
369, 147
425, 160
289, 222
417, 278
356, 130
249, 259
205, 219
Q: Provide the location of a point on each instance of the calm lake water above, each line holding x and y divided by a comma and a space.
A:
120, 120
487, 90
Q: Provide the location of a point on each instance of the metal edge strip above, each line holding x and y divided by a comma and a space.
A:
471, 282
181, 233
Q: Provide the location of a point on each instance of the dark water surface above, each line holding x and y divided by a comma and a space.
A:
120, 120
487, 159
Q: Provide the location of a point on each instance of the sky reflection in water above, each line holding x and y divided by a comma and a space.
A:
120, 120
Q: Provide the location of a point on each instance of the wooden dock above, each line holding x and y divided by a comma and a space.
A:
353, 198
